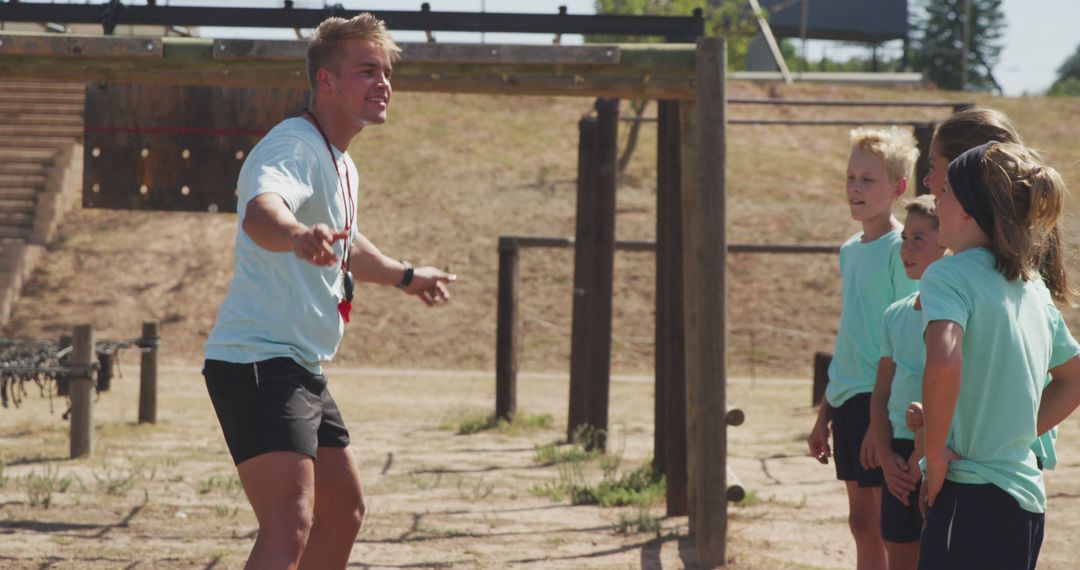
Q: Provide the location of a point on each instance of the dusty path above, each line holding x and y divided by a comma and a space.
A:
165, 496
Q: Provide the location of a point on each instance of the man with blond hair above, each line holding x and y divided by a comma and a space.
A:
297, 253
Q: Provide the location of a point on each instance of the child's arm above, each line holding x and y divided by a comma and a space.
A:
899, 478
818, 440
1061, 396
880, 428
941, 387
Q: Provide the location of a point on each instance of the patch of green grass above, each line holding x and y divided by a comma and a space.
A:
230, 484
642, 487
583, 446
638, 522
116, 483
751, 499
40, 487
474, 422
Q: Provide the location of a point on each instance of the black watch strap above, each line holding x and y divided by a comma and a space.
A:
407, 278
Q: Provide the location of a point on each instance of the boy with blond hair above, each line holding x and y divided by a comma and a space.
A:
297, 250
880, 168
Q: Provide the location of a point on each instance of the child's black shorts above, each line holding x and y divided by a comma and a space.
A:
900, 523
849, 424
273, 405
975, 527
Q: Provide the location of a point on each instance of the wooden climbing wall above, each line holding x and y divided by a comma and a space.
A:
172, 147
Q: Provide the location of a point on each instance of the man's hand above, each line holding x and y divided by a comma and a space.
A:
431, 285
316, 245
818, 440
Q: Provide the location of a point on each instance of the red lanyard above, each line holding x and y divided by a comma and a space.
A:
349, 205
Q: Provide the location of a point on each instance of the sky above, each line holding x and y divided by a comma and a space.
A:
1039, 35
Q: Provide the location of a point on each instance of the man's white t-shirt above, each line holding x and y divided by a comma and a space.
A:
278, 304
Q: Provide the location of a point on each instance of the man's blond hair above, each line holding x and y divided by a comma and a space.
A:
896, 147
325, 48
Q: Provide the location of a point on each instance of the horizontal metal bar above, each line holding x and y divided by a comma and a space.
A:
799, 122
824, 122
844, 102
566, 242
667, 26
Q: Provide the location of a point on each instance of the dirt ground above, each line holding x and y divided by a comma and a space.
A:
166, 496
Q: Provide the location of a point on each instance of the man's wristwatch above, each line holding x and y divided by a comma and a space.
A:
407, 278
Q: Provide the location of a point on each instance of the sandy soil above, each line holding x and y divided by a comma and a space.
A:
165, 495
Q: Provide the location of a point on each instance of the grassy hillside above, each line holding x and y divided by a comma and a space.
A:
448, 174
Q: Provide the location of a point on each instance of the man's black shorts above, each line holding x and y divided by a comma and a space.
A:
899, 523
849, 424
975, 527
273, 405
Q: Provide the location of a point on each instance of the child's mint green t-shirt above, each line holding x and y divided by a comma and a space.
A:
902, 342
1013, 335
871, 278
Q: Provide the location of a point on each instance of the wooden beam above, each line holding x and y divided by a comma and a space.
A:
82, 386
705, 252
644, 71
229, 49
578, 408
507, 332
670, 334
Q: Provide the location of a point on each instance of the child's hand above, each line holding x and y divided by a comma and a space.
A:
868, 452
818, 441
913, 417
900, 478
936, 469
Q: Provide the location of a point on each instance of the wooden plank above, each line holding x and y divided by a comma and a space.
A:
704, 247
648, 71
507, 332
509, 54
670, 334
442, 53
150, 147
80, 46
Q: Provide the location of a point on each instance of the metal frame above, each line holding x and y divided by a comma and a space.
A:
113, 13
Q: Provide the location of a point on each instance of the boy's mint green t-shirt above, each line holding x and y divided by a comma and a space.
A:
1013, 335
871, 278
902, 342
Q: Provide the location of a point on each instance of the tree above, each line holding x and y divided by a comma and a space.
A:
937, 43
1068, 77
731, 19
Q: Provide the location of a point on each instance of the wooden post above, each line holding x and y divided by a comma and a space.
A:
670, 436
924, 133
705, 252
594, 267
82, 383
507, 332
821, 376
583, 267
602, 288
148, 373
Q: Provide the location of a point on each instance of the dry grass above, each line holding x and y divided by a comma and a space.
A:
450, 173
